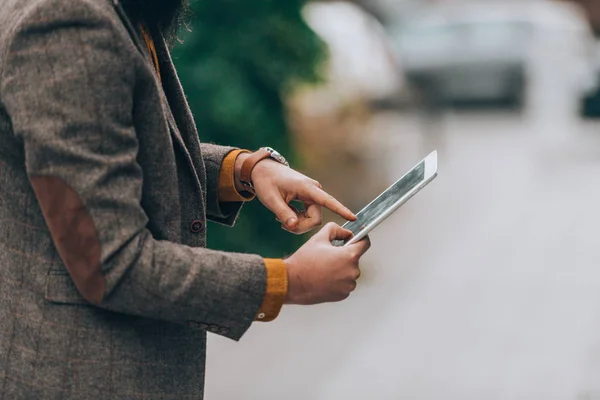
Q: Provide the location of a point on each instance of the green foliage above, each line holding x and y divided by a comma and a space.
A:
237, 63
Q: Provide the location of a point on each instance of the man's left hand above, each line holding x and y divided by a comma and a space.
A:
277, 185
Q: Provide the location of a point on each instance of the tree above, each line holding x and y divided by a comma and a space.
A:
238, 62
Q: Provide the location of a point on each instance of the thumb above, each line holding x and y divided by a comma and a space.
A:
283, 212
333, 231
362, 246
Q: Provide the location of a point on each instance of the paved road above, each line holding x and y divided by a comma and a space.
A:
485, 286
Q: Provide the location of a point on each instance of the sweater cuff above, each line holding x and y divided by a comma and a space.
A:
227, 191
277, 286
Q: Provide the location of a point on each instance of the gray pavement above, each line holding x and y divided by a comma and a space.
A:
486, 285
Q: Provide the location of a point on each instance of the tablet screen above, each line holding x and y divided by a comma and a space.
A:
387, 199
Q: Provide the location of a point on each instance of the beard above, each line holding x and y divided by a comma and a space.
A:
168, 16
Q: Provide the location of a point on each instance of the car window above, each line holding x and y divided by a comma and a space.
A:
473, 31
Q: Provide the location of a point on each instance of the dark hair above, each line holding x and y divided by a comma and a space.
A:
168, 16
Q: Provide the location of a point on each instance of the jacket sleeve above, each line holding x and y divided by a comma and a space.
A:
67, 82
218, 211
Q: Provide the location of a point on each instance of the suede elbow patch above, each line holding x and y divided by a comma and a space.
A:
74, 234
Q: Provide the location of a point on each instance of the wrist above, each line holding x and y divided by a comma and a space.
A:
239, 162
247, 169
291, 296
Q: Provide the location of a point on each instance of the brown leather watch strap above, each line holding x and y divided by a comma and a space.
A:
248, 166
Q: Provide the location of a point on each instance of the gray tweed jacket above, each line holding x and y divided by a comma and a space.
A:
106, 287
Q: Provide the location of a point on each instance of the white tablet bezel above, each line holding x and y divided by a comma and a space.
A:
430, 173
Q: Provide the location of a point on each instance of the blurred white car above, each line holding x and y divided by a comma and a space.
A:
484, 51
590, 106
361, 62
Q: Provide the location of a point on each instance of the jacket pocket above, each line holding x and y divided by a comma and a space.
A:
61, 289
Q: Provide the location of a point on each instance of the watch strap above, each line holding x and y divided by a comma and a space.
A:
248, 166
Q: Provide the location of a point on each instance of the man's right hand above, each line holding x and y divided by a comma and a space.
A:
320, 272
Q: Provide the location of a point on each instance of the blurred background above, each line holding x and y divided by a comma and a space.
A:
487, 284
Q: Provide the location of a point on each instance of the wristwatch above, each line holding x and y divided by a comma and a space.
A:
250, 163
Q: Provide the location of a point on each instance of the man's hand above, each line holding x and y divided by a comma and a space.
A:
320, 272
277, 185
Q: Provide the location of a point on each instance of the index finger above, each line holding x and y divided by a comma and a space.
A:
322, 198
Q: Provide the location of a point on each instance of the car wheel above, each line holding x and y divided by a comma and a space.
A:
590, 106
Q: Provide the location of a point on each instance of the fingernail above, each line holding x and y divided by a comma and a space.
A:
291, 222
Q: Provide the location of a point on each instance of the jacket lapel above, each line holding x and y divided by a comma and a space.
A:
171, 93
179, 109
129, 26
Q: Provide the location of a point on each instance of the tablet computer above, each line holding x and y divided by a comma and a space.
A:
391, 199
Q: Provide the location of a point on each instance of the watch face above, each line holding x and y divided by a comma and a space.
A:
276, 156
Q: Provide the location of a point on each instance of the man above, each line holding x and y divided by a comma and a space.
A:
106, 287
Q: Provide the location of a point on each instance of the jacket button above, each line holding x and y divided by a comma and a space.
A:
196, 226
213, 328
197, 325
223, 331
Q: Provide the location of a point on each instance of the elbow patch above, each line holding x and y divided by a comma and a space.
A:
74, 234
